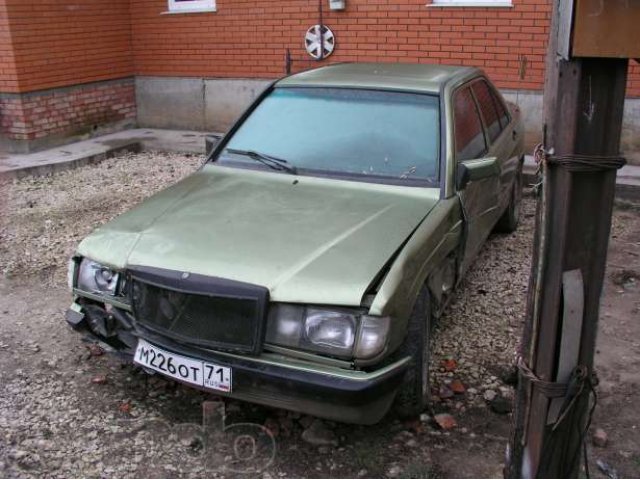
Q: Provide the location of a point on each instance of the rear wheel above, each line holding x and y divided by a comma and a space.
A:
414, 393
510, 219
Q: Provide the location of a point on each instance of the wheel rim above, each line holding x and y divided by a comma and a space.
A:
319, 41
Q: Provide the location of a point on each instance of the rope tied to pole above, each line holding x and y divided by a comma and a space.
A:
577, 162
546, 388
571, 391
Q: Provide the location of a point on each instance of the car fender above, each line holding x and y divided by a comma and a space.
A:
435, 238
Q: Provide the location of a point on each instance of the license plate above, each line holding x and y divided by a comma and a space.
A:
189, 370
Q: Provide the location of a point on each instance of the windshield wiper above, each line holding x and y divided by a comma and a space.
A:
268, 160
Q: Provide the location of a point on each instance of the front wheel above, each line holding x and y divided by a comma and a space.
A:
414, 393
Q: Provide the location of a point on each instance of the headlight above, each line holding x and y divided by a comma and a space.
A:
330, 330
96, 278
338, 332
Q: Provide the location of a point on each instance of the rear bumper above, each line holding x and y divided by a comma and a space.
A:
283, 382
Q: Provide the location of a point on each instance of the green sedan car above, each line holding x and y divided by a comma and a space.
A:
303, 265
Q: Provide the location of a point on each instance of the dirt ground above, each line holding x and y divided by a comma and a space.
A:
65, 412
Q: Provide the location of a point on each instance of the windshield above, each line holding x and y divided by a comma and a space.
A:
370, 133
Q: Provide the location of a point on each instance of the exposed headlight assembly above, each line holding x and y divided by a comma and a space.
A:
338, 332
95, 278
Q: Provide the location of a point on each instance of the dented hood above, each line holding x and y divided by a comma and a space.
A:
306, 239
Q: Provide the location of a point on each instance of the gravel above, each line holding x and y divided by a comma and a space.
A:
42, 219
55, 421
476, 340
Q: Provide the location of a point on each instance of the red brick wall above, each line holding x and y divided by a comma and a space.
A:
45, 44
79, 44
66, 111
8, 76
248, 38
63, 42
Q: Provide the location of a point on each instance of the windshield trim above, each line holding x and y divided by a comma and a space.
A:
434, 182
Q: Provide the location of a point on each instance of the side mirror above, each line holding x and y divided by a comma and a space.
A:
472, 170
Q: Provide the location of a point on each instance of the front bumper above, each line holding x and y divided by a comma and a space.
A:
280, 381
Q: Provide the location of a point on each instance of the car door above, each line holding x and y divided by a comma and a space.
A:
501, 139
479, 197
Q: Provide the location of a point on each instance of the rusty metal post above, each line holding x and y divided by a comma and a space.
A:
584, 100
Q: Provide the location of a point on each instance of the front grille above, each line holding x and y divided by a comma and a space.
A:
202, 311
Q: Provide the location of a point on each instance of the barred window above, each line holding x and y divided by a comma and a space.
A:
471, 3
186, 6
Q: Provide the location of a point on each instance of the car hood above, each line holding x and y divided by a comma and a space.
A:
306, 239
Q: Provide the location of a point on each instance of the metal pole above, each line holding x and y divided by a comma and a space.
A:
287, 62
583, 100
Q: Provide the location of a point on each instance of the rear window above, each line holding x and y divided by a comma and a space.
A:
488, 108
503, 114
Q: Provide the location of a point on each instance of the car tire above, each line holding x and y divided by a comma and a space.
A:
415, 392
508, 222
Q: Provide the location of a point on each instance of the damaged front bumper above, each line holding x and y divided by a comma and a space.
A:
271, 378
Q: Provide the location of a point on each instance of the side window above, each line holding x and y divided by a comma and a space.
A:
470, 142
488, 108
503, 114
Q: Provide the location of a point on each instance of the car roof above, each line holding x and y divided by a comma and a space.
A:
424, 78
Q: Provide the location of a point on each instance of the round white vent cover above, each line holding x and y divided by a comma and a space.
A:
319, 41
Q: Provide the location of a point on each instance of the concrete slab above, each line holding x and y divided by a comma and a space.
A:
194, 103
226, 100
97, 149
181, 141
165, 102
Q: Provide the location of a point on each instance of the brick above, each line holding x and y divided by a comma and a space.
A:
44, 44
58, 111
